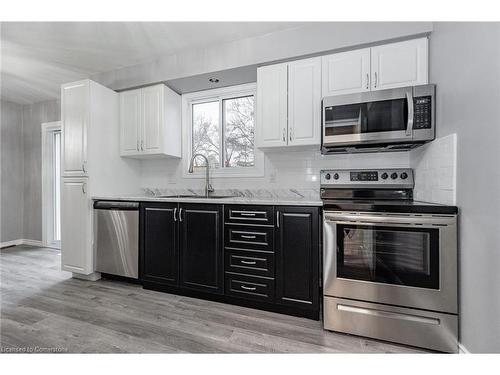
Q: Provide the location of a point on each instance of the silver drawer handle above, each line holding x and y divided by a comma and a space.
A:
175, 214
251, 262
249, 237
248, 287
246, 214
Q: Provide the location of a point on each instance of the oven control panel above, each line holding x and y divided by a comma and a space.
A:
348, 178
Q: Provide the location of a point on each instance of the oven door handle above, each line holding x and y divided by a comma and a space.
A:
378, 220
411, 113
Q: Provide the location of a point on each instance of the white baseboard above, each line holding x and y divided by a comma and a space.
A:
10, 243
21, 241
462, 349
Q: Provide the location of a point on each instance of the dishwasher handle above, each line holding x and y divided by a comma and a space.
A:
116, 205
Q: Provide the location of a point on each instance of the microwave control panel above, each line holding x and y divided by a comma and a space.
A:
423, 112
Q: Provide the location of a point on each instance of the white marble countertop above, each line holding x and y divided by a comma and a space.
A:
232, 200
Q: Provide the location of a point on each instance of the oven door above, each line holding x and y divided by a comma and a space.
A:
397, 259
384, 116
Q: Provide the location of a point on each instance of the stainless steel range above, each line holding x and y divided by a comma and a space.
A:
390, 263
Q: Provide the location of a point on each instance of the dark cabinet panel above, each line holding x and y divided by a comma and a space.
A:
201, 259
159, 254
249, 214
250, 287
247, 237
297, 257
250, 262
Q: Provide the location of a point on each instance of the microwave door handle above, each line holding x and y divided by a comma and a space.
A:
411, 113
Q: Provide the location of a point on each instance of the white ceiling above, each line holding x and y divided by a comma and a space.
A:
36, 58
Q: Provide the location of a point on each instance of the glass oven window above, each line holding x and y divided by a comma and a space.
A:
372, 117
391, 255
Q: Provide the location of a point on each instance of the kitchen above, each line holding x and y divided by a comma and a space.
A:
322, 197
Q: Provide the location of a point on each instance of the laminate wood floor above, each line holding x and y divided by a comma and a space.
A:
43, 307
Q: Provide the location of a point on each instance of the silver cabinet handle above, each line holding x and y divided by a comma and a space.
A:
248, 287
376, 80
84, 169
249, 237
411, 113
246, 214
175, 214
180, 214
142, 145
367, 81
291, 134
249, 262
84, 188
137, 145
284, 138
277, 219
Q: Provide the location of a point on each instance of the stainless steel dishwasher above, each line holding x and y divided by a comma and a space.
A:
116, 238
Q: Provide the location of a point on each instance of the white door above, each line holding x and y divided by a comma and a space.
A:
130, 122
272, 128
304, 102
400, 64
76, 245
152, 118
75, 111
346, 72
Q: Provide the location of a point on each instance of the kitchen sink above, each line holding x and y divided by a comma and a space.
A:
197, 196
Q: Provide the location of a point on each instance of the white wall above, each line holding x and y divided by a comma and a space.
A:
465, 65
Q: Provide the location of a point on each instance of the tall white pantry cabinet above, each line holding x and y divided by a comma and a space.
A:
90, 165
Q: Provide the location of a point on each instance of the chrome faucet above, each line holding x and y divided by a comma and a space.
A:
208, 188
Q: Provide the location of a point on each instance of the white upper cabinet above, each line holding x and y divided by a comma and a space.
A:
289, 104
346, 72
150, 122
75, 119
304, 102
272, 128
130, 119
400, 64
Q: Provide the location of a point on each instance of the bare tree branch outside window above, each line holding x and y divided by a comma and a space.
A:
238, 132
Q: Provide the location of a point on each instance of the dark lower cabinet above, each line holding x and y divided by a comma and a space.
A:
201, 257
263, 257
297, 257
160, 263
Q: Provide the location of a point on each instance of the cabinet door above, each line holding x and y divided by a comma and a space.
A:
75, 117
297, 257
201, 262
272, 128
152, 118
346, 72
130, 122
76, 245
304, 102
159, 244
400, 64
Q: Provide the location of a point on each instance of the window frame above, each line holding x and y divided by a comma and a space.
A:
219, 94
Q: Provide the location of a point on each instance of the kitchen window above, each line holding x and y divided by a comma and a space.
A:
220, 124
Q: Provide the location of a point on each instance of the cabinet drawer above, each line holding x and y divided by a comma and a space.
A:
253, 263
249, 214
249, 238
248, 287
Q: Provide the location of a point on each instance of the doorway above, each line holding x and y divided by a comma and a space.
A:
51, 184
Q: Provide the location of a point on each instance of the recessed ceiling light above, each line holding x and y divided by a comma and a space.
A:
213, 80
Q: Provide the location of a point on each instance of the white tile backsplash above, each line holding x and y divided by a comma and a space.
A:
283, 170
434, 166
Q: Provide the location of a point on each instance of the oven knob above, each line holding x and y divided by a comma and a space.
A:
384, 176
404, 175
336, 176
394, 176
327, 176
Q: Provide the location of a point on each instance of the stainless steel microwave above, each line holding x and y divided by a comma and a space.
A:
385, 120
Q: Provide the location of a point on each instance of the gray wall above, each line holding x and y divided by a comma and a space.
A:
12, 171
465, 65
33, 117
